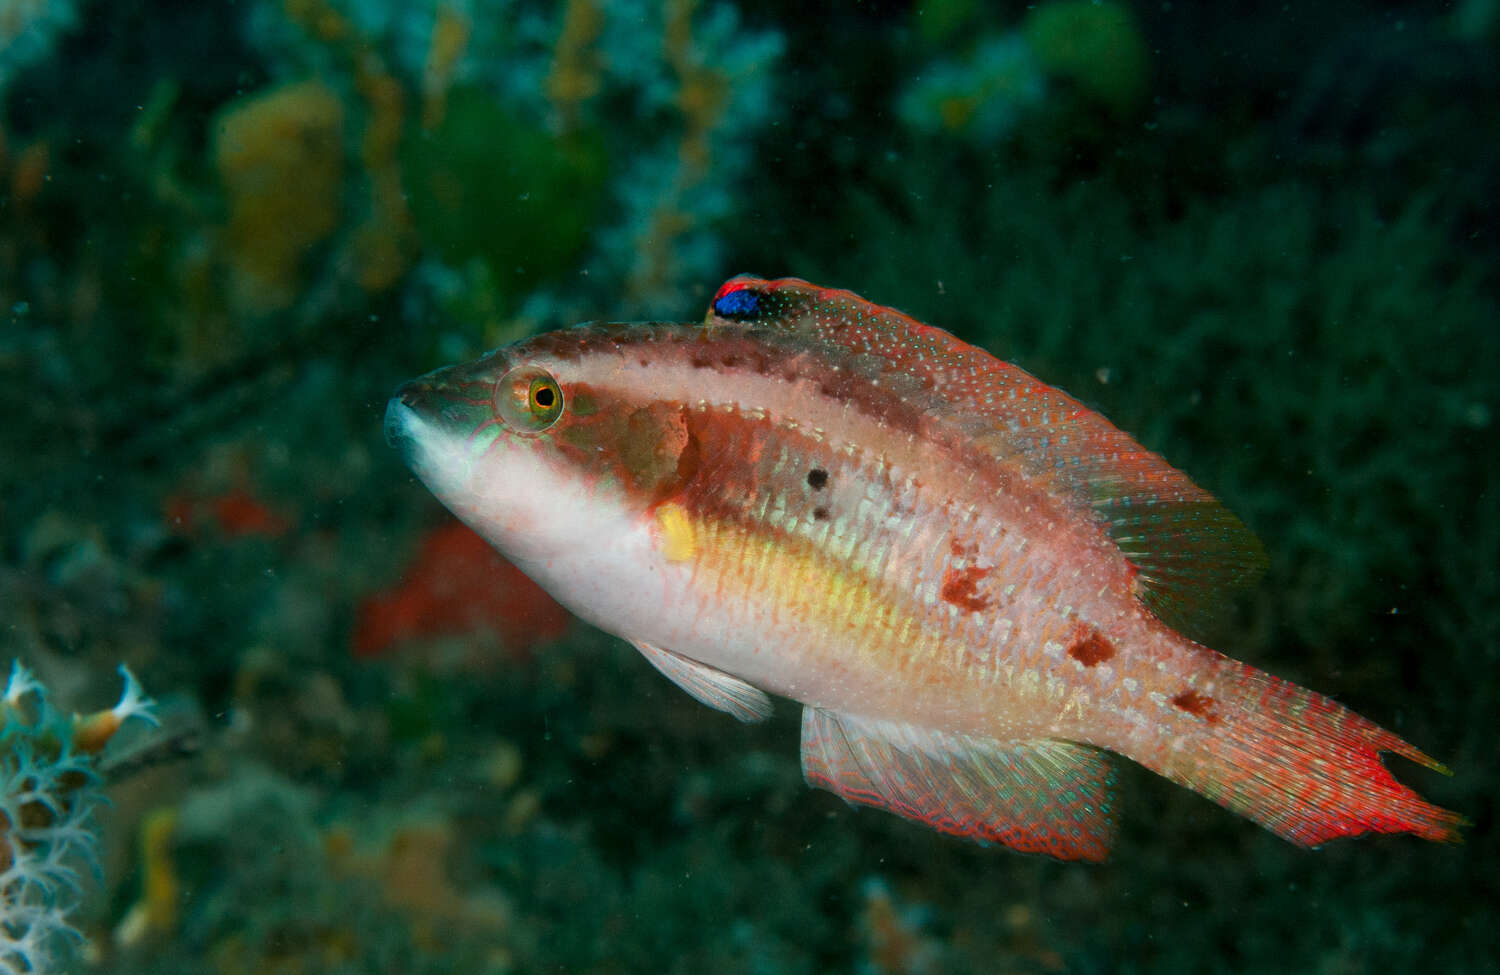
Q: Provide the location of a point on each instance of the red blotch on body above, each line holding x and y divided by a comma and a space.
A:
457, 584
1196, 704
961, 588
1091, 649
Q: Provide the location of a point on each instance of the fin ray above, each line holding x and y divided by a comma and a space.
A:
1190, 551
1039, 796
1299, 764
709, 685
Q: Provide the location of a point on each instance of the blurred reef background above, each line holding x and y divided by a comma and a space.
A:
1261, 237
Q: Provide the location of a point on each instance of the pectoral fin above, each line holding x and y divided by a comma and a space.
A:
708, 684
1038, 796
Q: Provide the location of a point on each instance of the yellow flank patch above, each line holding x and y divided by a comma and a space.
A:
791, 578
675, 532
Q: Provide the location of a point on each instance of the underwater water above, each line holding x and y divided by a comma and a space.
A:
1258, 237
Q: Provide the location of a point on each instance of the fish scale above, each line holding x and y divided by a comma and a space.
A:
769, 499
975, 586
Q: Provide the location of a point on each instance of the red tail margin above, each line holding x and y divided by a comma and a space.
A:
1299, 763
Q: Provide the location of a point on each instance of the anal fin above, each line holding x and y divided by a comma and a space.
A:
1037, 796
709, 684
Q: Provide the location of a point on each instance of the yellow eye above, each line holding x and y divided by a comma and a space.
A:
528, 399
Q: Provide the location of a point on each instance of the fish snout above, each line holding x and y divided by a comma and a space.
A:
433, 419
410, 401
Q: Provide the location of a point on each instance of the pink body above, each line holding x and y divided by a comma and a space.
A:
969, 579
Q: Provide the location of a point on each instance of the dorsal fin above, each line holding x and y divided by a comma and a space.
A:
1189, 550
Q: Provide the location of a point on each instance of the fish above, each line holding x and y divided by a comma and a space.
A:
978, 589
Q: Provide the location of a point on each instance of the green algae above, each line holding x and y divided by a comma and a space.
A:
489, 184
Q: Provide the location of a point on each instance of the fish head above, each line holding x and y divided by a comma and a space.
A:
548, 454
483, 437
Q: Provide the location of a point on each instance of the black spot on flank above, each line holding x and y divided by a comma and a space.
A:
817, 478
820, 514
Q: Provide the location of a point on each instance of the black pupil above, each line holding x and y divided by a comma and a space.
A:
543, 397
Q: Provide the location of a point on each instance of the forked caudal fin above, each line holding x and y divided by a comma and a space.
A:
1296, 762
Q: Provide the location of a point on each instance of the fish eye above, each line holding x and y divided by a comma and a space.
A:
528, 399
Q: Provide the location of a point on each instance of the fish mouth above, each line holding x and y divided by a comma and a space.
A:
404, 413
432, 421
428, 414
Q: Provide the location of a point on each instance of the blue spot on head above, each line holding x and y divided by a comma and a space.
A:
737, 304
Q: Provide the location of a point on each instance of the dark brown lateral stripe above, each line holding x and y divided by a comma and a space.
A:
763, 352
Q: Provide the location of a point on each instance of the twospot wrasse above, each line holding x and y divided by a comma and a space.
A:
975, 586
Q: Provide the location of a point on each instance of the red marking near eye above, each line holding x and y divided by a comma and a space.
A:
1196, 704
961, 588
